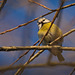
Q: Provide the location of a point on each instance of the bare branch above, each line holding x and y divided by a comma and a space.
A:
23, 54
73, 4
72, 71
19, 58
33, 53
20, 70
2, 4
51, 64
20, 48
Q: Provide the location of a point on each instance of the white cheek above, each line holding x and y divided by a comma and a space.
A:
40, 25
46, 21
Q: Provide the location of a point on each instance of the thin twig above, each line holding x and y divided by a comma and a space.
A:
73, 4
23, 54
19, 58
35, 19
72, 72
40, 5
2, 4
32, 54
20, 70
69, 32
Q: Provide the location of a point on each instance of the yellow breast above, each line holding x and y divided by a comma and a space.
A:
55, 31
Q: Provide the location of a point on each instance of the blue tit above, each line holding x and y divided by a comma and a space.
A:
54, 32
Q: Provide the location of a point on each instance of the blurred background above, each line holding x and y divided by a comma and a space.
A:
16, 12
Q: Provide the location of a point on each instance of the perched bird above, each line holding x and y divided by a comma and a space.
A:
54, 32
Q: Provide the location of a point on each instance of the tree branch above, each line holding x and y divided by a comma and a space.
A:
67, 33
20, 48
23, 54
35, 19
2, 4
51, 64
72, 72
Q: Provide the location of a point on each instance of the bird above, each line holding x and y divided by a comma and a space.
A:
54, 32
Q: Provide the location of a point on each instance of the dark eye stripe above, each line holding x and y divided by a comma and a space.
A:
39, 22
44, 20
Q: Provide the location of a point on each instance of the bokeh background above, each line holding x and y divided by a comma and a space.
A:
17, 12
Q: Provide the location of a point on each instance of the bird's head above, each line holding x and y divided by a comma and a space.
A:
42, 21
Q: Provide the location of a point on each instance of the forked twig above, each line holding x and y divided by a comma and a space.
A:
23, 54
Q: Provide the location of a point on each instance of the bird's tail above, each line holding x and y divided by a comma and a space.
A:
60, 57
57, 53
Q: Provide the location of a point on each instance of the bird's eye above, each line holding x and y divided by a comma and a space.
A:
39, 23
44, 20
